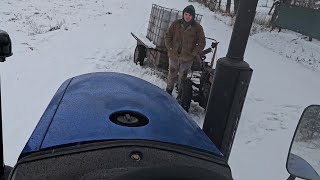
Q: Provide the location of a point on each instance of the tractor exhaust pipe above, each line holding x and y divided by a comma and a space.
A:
231, 81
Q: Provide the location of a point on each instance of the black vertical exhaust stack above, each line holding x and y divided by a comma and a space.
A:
230, 84
5, 51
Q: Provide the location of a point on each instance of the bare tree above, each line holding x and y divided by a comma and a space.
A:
314, 4
228, 6
236, 6
266, 3
213, 5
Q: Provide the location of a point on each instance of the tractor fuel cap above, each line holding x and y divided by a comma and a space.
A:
129, 119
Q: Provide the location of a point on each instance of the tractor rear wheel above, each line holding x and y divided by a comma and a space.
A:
205, 91
139, 54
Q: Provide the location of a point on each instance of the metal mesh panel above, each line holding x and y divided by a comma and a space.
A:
160, 20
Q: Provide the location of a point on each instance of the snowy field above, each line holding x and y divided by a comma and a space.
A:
56, 40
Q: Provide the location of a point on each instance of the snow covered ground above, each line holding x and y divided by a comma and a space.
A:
56, 40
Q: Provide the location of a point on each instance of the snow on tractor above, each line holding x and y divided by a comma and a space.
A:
152, 49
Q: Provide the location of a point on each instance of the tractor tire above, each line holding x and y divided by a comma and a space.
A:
205, 92
139, 54
185, 94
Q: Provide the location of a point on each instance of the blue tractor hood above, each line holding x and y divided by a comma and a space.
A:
80, 111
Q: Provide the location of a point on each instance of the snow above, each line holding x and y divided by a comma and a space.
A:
94, 36
143, 38
308, 151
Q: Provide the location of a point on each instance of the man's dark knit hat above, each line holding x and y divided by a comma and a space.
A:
190, 9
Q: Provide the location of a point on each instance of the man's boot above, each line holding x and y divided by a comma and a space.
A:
186, 107
169, 91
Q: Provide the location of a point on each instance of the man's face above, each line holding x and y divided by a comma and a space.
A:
187, 17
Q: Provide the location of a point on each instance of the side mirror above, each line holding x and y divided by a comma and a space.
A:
304, 155
5, 46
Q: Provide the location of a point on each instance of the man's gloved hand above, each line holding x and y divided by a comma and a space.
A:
197, 60
197, 57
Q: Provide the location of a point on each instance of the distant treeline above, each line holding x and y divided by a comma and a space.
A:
313, 4
225, 5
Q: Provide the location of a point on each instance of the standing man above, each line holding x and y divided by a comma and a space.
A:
184, 41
